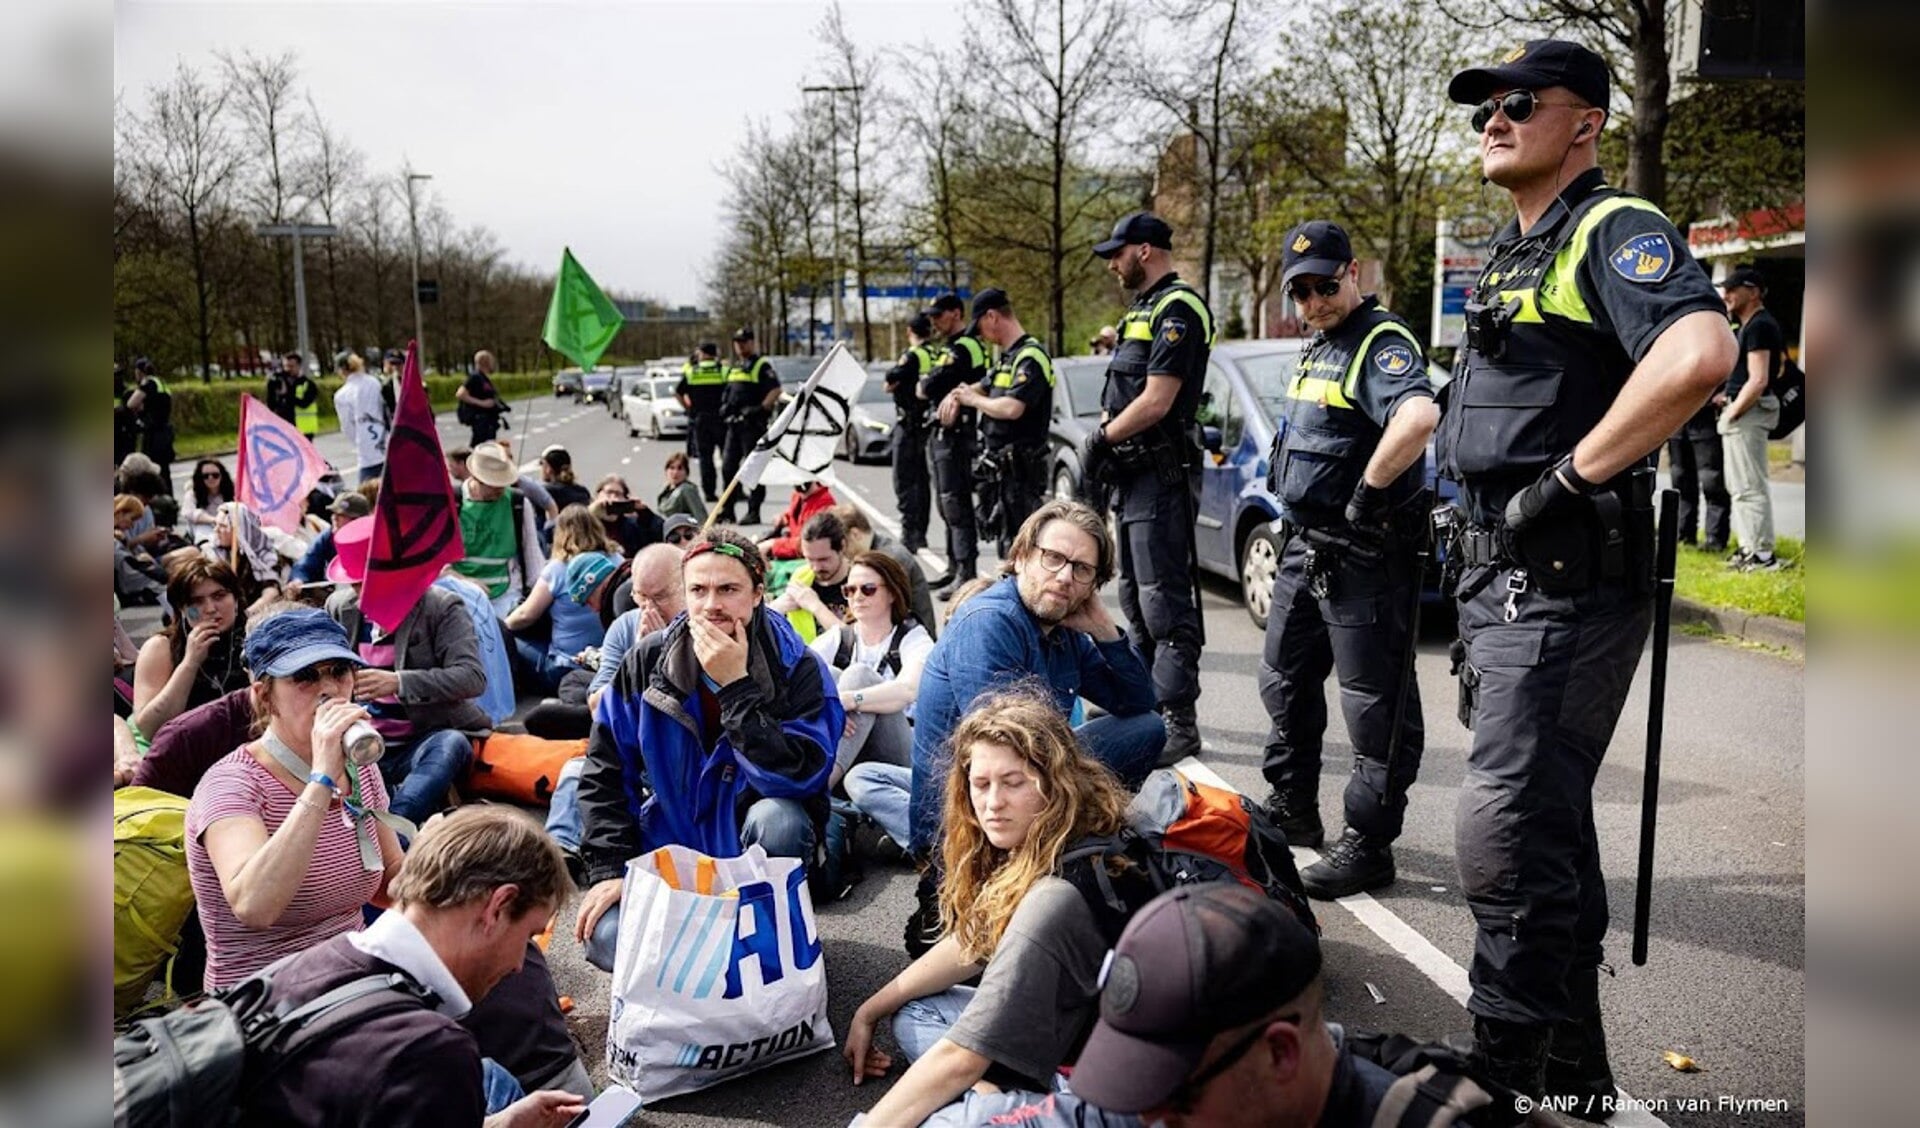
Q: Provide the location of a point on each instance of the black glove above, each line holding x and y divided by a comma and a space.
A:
1097, 458
1547, 491
1368, 510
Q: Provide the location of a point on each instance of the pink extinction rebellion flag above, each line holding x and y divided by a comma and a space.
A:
278, 466
416, 521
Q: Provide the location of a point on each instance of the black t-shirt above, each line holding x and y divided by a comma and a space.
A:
480, 387
1760, 333
519, 1024
833, 596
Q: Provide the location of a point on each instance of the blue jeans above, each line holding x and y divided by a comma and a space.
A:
881, 791
1130, 746
921, 1022
502, 1088
540, 667
781, 827
564, 824
419, 773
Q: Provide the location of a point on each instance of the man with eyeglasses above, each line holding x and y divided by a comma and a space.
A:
1592, 335
1042, 622
1148, 452
1349, 469
1211, 1014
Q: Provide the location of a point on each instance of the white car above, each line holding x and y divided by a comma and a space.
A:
651, 407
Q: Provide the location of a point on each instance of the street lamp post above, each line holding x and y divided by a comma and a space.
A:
413, 225
298, 232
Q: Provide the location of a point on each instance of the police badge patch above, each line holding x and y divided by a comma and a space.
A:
1172, 329
1645, 258
1394, 360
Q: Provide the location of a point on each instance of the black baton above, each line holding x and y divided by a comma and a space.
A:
1666, 541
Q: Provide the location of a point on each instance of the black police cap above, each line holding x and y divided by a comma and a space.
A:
947, 303
1137, 227
1317, 246
989, 299
1745, 275
743, 333
1539, 63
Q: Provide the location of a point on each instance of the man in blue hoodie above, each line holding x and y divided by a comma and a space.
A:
717, 733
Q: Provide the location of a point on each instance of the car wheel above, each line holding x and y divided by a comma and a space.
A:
1259, 564
1064, 488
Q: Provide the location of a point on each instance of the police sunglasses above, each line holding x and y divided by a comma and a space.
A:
1299, 288
1518, 105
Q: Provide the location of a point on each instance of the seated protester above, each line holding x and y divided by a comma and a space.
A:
1019, 792
498, 527
283, 842
575, 625
477, 887
680, 495
534, 489
766, 720
627, 520
185, 747
419, 683
210, 487
137, 576
197, 657
876, 661
1212, 1016
813, 600
861, 537
556, 474
259, 561
807, 499
350, 505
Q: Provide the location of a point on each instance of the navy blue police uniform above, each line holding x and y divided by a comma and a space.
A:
703, 384
1015, 450
748, 382
912, 485
1553, 615
963, 360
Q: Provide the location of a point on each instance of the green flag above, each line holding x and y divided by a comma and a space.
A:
581, 321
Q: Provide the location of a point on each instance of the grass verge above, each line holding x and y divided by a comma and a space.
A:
1704, 578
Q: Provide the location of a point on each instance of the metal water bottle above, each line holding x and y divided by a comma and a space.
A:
364, 743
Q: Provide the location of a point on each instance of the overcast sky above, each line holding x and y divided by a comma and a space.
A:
592, 125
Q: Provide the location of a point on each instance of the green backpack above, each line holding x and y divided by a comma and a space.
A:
151, 893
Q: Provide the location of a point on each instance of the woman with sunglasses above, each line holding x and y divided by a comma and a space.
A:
1019, 794
196, 658
212, 487
876, 661
287, 839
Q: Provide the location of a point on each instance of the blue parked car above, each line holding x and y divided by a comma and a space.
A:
1243, 398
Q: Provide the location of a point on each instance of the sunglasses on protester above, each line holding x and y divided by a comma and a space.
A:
1518, 105
1299, 288
680, 536
851, 590
329, 671
210, 475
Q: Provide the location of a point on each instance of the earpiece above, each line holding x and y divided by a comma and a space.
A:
1586, 127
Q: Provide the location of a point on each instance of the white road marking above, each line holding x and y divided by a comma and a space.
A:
1429, 960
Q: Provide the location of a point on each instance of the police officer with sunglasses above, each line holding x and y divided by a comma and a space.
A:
1592, 335
1349, 467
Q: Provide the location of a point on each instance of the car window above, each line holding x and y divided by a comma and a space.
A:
1219, 407
1268, 375
875, 391
1085, 382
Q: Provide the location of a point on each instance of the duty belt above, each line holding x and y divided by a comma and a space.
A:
1481, 546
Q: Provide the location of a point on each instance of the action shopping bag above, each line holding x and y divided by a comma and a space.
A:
717, 972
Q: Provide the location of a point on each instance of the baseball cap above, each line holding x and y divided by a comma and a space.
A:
989, 299
1137, 227
352, 544
675, 523
946, 303
293, 640
490, 463
1196, 961
1538, 63
744, 333
1317, 246
1745, 276
395, 356
586, 572
352, 503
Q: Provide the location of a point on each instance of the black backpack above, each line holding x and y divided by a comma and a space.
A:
1437, 1086
1790, 388
890, 662
193, 1067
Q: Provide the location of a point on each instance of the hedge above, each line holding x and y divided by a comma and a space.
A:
214, 409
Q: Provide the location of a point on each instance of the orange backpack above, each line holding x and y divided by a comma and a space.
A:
520, 768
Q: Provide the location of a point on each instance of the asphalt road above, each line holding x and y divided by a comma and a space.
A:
1725, 981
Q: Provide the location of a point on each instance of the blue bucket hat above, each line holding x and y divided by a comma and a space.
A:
293, 640
586, 572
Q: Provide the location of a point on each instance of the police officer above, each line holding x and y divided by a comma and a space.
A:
1349, 467
702, 388
1015, 403
963, 360
912, 489
1592, 335
152, 401
1147, 453
751, 391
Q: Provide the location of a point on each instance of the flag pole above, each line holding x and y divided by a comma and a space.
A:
713, 511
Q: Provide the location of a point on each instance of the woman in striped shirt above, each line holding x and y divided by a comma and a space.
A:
286, 839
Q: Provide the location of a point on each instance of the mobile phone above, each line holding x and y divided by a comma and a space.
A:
193, 616
623, 508
615, 1105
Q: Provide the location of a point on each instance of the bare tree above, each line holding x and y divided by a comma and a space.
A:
1049, 72
332, 169
856, 76
372, 221
189, 160
262, 91
936, 114
806, 178
760, 208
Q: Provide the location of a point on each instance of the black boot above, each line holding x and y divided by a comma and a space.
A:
923, 926
1355, 864
1183, 735
1296, 815
1577, 1063
1511, 1053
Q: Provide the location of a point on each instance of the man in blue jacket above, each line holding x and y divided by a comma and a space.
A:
717, 733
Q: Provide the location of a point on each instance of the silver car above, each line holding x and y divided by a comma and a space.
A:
652, 408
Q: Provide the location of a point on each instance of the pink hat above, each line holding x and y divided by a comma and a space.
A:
352, 544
